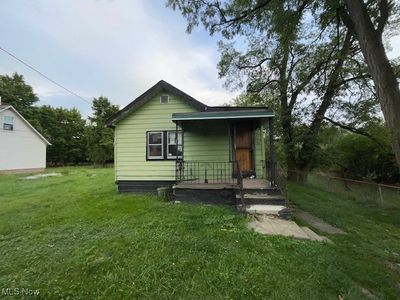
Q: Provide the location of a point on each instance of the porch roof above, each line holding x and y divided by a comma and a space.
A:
223, 114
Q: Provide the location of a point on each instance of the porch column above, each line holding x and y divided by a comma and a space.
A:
176, 153
272, 166
178, 160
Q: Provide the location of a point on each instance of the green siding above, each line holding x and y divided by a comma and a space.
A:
207, 141
210, 141
203, 141
130, 140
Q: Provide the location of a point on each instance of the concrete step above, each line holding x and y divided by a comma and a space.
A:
314, 236
262, 209
268, 190
261, 198
273, 225
267, 224
258, 196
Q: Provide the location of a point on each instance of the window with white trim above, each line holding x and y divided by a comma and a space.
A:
8, 123
173, 148
163, 145
155, 145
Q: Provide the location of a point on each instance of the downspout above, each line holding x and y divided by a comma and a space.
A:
176, 152
272, 152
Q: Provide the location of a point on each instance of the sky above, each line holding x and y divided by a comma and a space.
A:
114, 48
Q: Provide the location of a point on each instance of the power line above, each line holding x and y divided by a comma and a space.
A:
43, 75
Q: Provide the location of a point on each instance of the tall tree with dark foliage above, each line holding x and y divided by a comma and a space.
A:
298, 55
100, 139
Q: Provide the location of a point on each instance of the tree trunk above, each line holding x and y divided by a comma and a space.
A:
386, 85
288, 142
294, 173
310, 139
286, 115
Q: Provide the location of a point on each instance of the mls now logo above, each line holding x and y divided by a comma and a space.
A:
19, 292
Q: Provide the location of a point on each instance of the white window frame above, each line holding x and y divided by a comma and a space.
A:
148, 145
174, 143
8, 123
161, 102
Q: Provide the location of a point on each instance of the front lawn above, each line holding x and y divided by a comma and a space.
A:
74, 237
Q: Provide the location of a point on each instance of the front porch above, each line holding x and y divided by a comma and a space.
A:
248, 184
225, 156
222, 183
250, 192
222, 145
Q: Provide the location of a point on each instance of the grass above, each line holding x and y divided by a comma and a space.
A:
74, 237
370, 251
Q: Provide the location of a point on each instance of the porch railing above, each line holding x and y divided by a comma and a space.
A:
208, 172
271, 172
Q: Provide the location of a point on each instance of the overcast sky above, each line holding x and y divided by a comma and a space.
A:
115, 48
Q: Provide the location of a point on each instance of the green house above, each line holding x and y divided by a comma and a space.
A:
167, 138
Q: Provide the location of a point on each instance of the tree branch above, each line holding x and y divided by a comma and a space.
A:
245, 14
384, 15
346, 19
217, 6
302, 85
254, 66
353, 130
344, 81
314, 71
261, 87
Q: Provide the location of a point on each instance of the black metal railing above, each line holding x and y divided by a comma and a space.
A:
240, 183
208, 172
271, 167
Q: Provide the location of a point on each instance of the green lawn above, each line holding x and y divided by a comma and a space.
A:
74, 237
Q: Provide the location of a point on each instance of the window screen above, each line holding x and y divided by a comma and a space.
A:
164, 99
155, 141
172, 148
8, 123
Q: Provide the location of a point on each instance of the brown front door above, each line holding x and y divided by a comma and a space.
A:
243, 145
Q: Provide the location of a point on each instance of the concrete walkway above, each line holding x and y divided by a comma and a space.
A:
317, 223
272, 225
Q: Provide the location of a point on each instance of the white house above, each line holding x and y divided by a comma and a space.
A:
22, 147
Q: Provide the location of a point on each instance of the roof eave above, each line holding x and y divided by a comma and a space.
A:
221, 118
29, 125
223, 115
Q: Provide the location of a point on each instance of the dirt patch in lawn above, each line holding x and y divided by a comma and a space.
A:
37, 176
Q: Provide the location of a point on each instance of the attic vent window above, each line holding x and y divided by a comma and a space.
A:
8, 123
164, 99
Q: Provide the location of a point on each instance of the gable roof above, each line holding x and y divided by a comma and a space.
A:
4, 107
161, 86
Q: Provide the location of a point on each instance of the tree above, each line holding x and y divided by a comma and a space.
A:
296, 54
65, 130
357, 18
14, 91
100, 141
299, 53
357, 156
